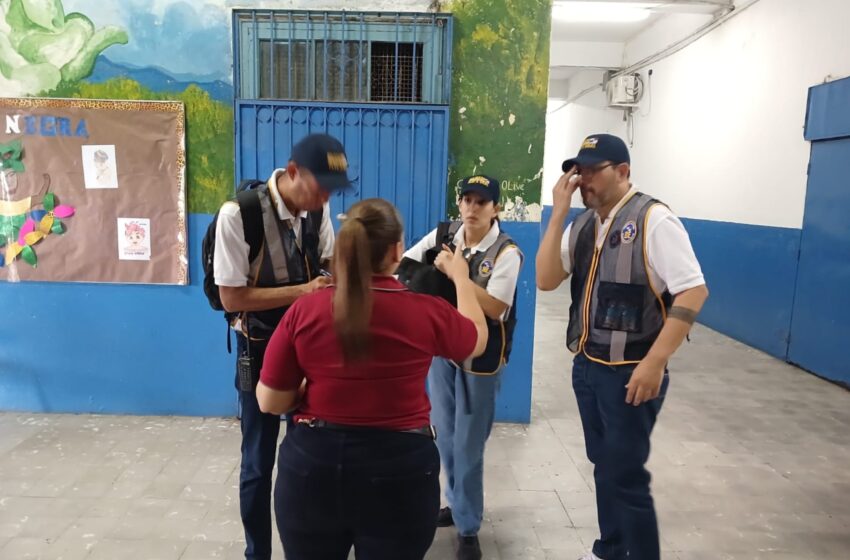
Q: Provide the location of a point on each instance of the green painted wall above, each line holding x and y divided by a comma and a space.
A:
499, 90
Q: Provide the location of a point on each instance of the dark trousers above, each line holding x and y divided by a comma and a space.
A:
616, 436
259, 445
376, 491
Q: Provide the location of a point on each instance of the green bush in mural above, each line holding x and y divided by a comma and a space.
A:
499, 89
209, 135
40, 46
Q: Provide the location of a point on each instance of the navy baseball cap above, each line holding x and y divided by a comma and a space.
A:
487, 187
324, 156
597, 148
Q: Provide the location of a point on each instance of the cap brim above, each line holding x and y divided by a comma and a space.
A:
581, 161
333, 182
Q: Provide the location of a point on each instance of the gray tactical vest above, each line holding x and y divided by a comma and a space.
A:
284, 261
500, 333
623, 314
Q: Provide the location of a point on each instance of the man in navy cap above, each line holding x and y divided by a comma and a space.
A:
290, 216
636, 290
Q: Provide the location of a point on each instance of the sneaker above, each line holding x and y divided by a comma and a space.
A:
468, 548
444, 518
590, 556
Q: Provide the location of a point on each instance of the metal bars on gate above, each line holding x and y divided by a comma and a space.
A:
395, 151
336, 56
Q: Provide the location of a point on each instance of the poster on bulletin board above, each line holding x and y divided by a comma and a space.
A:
93, 191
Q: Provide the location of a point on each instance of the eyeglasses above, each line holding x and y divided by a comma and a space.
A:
587, 173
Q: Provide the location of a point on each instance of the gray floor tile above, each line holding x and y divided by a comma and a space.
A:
749, 462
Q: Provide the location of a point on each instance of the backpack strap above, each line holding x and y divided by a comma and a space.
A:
445, 233
252, 221
316, 217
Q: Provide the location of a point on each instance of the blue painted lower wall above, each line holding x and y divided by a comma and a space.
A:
751, 273
115, 348
121, 349
514, 401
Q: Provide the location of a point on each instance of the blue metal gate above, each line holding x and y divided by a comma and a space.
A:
379, 82
820, 324
396, 152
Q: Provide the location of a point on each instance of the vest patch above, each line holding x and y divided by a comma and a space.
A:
486, 268
629, 232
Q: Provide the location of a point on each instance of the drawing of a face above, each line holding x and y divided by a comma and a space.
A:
134, 233
101, 164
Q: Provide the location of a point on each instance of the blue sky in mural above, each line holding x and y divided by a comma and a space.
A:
190, 41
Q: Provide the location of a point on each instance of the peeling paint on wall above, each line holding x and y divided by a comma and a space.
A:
500, 82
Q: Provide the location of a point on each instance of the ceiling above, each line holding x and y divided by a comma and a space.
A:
564, 29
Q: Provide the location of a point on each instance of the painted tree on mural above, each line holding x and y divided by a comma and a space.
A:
499, 88
45, 52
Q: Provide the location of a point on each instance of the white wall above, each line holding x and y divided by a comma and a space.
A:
724, 137
586, 53
567, 126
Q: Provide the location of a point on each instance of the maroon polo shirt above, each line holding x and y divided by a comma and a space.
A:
386, 389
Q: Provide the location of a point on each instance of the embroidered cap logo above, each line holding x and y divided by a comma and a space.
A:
478, 180
590, 143
337, 162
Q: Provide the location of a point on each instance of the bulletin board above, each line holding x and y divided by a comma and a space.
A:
93, 191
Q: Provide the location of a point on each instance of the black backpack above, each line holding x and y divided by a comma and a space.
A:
423, 277
248, 200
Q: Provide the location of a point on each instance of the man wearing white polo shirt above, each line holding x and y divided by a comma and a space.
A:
636, 290
258, 285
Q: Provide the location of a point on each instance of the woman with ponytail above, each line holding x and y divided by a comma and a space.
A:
360, 468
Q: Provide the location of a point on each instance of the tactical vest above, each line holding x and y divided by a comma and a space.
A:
282, 261
500, 333
616, 314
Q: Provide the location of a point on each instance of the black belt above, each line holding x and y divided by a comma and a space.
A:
427, 431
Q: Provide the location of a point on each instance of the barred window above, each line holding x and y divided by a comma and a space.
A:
342, 56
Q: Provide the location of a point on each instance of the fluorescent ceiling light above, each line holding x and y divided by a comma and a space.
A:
603, 12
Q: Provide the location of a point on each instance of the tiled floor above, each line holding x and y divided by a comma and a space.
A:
751, 461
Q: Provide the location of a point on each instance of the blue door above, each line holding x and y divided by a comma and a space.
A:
378, 82
820, 325
396, 152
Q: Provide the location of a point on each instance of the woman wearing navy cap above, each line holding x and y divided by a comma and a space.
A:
360, 468
463, 392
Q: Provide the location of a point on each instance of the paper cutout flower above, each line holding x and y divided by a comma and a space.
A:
10, 156
20, 238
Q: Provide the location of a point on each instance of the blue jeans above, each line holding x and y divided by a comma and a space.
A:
378, 491
259, 445
616, 436
462, 410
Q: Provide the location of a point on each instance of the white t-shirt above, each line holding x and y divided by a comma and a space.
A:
673, 266
231, 264
503, 279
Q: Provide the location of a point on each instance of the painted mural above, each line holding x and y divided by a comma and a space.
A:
134, 50
151, 49
499, 89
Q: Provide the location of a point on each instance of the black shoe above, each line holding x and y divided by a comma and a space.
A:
444, 517
468, 548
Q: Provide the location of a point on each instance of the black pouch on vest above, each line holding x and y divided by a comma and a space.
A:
246, 372
619, 307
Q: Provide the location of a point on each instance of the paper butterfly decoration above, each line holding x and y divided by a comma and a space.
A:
38, 225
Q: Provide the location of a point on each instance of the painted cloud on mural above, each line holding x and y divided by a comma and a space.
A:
169, 35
